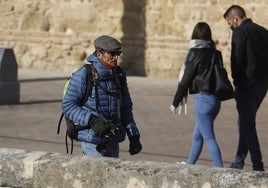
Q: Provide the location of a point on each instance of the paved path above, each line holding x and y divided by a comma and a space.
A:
166, 137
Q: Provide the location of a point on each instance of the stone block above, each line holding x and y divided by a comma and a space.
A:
9, 85
9, 93
8, 66
19, 168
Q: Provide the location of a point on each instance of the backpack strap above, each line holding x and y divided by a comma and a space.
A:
89, 83
60, 120
89, 86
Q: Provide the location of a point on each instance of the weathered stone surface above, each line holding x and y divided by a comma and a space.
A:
16, 167
20, 168
149, 26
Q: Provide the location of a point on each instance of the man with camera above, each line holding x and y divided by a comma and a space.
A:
108, 109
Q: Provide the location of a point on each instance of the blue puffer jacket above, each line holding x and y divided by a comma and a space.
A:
108, 102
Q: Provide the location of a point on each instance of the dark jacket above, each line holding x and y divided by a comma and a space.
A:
249, 54
197, 75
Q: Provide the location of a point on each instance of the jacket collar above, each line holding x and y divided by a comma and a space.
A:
198, 43
248, 20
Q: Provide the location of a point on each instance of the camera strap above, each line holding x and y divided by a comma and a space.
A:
119, 94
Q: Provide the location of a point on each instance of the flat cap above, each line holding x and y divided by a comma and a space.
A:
107, 43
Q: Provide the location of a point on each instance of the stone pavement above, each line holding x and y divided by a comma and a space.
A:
32, 124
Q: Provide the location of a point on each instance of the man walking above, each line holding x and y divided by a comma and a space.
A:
249, 65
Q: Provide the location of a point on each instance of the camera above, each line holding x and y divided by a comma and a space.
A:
107, 138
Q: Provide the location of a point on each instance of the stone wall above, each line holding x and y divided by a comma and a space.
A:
19, 168
58, 34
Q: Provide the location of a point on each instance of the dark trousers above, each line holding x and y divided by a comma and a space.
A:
248, 102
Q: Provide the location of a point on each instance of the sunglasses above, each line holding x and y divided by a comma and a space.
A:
114, 53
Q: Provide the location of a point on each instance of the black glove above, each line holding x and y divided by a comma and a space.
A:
134, 145
99, 125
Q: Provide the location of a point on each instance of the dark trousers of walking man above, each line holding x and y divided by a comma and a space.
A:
248, 102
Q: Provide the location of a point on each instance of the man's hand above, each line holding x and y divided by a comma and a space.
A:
99, 125
134, 145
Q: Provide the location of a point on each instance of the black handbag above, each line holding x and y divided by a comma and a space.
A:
223, 87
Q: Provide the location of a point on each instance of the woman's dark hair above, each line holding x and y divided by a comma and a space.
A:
202, 31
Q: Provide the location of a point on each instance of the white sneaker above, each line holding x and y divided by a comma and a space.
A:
182, 162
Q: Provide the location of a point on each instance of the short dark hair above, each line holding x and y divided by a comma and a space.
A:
235, 10
202, 31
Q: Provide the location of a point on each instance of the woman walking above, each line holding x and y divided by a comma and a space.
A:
197, 78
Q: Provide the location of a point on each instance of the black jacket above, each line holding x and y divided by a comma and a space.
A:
198, 73
249, 54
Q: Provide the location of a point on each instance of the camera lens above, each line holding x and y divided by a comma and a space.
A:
107, 139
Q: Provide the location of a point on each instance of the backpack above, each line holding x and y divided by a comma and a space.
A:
72, 128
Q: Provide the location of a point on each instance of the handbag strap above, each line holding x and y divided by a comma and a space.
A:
212, 63
219, 59
212, 60
212, 71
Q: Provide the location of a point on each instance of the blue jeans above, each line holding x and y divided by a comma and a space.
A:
207, 107
90, 150
248, 102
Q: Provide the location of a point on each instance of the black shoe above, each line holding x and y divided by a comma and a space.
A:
258, 167
235, 166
